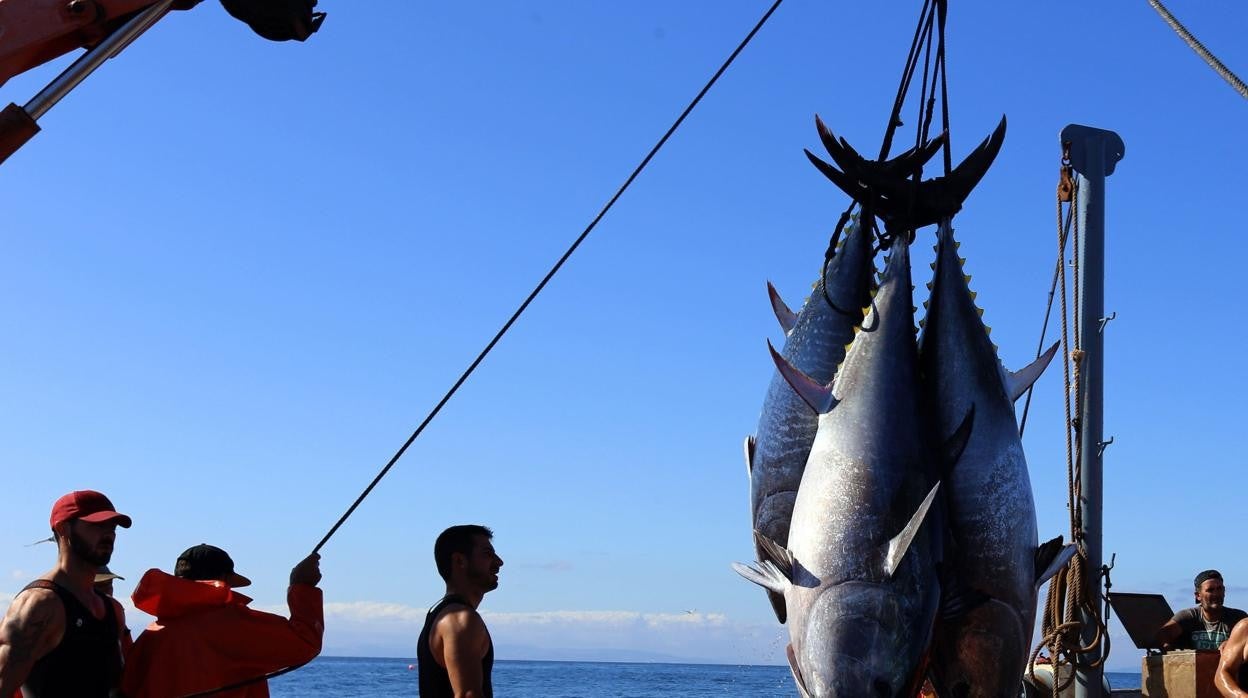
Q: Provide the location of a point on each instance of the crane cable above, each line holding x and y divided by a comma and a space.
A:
511, 321
1200, 49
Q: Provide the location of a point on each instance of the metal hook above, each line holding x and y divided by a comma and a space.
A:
1100, 446
1105, 320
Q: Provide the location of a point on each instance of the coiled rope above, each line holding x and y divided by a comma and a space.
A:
1200, 49
1069, 601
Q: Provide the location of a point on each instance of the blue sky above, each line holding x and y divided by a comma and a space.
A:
237, 274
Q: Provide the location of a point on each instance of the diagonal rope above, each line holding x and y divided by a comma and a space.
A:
516, 316
1200, 49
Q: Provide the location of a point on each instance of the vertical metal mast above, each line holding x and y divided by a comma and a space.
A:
1093, 154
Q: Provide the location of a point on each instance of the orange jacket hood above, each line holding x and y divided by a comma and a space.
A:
165, 596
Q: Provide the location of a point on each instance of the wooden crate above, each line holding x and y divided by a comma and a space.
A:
1180, 674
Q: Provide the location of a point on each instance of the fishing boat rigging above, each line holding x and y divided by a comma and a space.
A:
880, 199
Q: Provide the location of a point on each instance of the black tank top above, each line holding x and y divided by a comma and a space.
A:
434, 681
87, 663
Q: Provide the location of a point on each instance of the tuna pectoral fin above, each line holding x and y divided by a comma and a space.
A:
1051, 557
1017, 382
774, 571
819, 397
900, 543
787, 318
769, 550
951, 450
749, 455
956, 601
765, 574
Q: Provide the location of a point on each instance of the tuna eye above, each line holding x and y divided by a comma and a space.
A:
882, 689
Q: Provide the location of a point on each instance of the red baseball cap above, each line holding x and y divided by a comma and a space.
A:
89, 506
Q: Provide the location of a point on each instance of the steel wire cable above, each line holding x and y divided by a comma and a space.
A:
1200, 49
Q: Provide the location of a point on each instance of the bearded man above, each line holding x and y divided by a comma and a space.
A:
454, 652
61, 637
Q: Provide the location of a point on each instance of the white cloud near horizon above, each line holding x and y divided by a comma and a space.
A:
374, 628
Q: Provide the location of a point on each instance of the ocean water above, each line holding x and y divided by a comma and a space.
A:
358, 676
362, 676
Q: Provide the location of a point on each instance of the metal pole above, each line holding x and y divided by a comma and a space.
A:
89, 61
1093, 154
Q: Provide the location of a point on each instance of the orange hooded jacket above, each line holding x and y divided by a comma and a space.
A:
205, 637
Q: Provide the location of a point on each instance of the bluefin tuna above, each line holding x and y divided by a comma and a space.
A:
858, 573
993, 567
815, 341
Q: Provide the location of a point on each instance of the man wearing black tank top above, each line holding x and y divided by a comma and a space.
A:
454, 651
60, 637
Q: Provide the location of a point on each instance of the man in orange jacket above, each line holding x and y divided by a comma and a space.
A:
206, 638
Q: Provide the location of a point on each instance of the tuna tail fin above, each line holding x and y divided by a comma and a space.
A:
786, 317
819, 397
1051, 557
1017, 382
900, 543
749, 456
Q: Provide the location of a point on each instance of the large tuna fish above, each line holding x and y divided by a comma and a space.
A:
860, 585
993, 568
815, 341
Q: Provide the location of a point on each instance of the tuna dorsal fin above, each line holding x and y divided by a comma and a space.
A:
900, 543
749, 455
951, 450
786, 317
1019, 381
819, 397
1051, 557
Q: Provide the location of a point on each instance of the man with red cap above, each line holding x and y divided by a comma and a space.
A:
60, 637
206, 638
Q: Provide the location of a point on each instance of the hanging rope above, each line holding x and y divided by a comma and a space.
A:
1069, 602
1200, 49
1065, 193
516, 316
930, 28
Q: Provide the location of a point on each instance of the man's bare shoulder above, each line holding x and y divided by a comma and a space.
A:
1240, 631
34, 623
458, 619
35, 606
